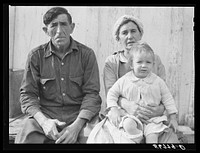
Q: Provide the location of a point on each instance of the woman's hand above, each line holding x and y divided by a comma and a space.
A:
174, 124
114, 115
144, 113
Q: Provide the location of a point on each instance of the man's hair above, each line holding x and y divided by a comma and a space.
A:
53, 13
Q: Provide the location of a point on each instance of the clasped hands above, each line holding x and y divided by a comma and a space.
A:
68, 134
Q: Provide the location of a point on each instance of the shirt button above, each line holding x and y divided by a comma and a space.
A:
62, 63
62, 79
44, 87
63, 94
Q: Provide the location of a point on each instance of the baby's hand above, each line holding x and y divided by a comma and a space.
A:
114, 115
174, 124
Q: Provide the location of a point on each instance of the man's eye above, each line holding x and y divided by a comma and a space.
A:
124, 32
64, 24
53, 25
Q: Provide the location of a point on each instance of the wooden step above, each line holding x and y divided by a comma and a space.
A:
15, 125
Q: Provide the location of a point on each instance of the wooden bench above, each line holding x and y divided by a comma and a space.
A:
15, 125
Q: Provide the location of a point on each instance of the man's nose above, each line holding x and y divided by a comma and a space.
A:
59, 28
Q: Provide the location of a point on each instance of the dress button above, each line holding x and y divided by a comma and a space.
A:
63, 94
62, 63
62, 79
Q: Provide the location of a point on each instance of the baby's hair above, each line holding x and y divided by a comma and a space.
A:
140, 47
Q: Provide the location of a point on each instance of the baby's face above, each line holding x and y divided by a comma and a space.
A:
142, 64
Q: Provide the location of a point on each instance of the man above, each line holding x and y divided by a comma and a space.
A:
60, 88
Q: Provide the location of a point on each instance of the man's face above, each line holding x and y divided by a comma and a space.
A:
59, 30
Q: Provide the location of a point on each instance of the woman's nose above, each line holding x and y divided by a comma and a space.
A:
130, 35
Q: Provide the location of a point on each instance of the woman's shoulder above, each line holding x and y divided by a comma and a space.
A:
113, 58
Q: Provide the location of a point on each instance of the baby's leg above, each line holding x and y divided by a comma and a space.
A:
130, 126
152, 138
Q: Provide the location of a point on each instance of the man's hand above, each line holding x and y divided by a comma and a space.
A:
70, 133
49, 127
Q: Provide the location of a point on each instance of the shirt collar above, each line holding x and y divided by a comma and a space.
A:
122, 58
50, 50
149, 79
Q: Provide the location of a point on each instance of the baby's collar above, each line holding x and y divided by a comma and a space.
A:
149, 79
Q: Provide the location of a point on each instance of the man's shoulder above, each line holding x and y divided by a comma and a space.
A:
37, 49
83, 47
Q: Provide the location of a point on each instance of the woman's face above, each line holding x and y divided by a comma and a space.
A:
128, 35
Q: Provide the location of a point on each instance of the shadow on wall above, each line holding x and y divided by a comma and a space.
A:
15, 78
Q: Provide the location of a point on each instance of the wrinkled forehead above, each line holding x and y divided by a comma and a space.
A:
61, 18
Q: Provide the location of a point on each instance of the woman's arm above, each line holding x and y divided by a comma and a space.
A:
146, 112
109, 73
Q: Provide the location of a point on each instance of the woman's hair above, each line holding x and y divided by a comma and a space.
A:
53, 13
140, 47
123, 20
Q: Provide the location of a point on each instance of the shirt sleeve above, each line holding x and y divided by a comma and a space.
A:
159, 68
91, 103
167, 98
109, 73
29, 92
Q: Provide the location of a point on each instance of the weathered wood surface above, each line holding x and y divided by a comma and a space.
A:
15, 125
169, 30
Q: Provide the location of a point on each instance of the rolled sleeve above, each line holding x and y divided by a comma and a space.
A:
29, 91
91, 103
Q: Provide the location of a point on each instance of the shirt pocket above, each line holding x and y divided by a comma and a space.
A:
75, 88
48, 88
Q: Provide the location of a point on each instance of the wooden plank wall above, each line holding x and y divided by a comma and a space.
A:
169, 30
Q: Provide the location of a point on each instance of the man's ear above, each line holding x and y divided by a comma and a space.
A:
72, 27
45, 30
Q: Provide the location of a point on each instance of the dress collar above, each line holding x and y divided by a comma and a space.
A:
149, 79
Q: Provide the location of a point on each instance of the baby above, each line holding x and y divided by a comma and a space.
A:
141, 87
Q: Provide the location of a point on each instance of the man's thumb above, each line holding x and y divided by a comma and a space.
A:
60, 123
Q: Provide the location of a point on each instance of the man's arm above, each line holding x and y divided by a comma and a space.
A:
29, 90
91, 103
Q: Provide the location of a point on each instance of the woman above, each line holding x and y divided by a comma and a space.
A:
128, 30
